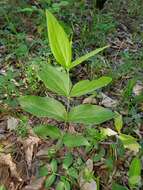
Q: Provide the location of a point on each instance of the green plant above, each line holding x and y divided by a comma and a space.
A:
60, 83
2, 187
9, 86
22, 128
135, 173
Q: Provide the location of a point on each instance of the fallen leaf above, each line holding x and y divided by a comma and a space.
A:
35, 184
138, 88
83, 183
89, 100
108, 102
89, 186
6, 159
28, 145
12, 123
89, 164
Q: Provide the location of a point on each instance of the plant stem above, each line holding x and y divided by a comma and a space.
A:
68, 98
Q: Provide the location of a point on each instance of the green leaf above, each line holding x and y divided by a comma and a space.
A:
50, 180
54, 166
86, 86
116, 186
97, 157
67, 185
47, 130
60, 186
59, 42
74, 140
89, 114
86, 56
129, 142
2, 187
43, 107
118, 122
63, 185
135, 172
67, 161
43, 171
57, 81
73, 172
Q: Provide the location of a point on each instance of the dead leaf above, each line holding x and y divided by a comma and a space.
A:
89, 164
89, 100
108, 102
83, 183
138, 88
89, 186
6, 159
28, 145
12, 123
35, 184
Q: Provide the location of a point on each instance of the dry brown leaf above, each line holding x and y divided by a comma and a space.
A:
138, 88
12, 123
28, 145
6, 159
89, 100
89, 165
43, 152
89, 185
35, 184
108, 102
83, 183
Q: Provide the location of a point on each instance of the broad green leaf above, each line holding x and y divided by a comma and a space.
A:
67, 185
118, 122
135, 172
54, 166
73, 172
86, 86
86, 56
68, 160
2, 187
59, 42
43, 171
74, 140
63, 185
116, 186
89, 114
57, 81
43, 107
50, 180
129, 142
60, 186
47, 130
